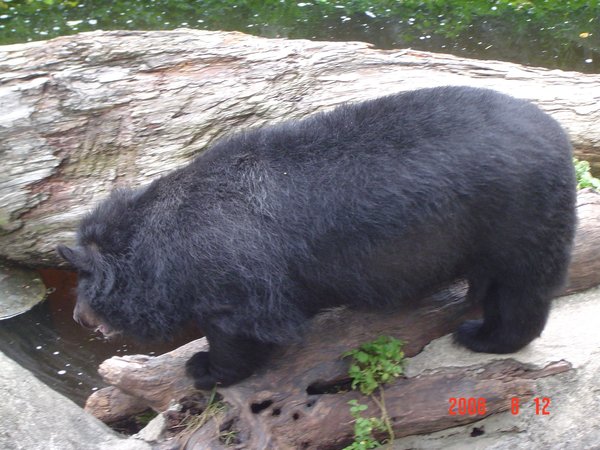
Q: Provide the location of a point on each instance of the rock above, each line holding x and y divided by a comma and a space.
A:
571, 335
20, 290
34, 417
154, 431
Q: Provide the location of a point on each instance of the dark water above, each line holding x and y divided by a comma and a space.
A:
47, 341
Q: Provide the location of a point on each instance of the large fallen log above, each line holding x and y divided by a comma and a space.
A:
290, 403
82, 114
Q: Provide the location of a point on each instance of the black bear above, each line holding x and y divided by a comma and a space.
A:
369, 205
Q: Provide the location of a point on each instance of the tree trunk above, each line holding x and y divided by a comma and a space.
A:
85, 113
289, 404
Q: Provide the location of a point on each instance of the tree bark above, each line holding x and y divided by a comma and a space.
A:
86, 113
584, 270
289, 403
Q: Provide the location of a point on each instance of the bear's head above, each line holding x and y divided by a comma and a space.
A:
118, 292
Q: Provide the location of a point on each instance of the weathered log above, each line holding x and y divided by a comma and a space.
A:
286, 405
416, 405
585, 263
85, 113
111, 404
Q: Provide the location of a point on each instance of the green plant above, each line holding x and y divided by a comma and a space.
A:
145, 418
215, 409
373, 364
195, 413
364, 427
228, 437
584, 177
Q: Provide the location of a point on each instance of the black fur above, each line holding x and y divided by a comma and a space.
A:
369, 205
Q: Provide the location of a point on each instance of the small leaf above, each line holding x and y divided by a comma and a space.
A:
361, 357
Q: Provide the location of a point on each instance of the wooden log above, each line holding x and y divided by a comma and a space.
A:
416, 406
111, 404
154, 380
585, 264
83, 114
286, 404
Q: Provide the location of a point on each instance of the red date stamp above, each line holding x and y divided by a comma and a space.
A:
461, 406
476, 406
542, 406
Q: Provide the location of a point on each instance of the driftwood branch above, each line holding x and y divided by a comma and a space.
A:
85, 113
289, 404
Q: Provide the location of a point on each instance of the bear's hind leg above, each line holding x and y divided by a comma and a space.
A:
513, 317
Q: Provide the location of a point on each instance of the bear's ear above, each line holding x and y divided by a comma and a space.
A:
74, 256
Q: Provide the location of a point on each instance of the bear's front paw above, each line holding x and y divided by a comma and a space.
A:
197, 367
